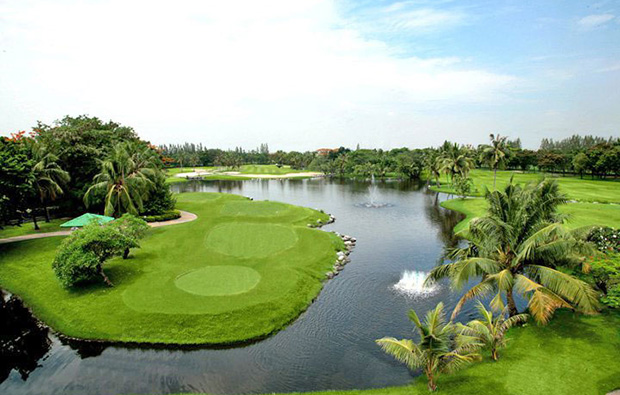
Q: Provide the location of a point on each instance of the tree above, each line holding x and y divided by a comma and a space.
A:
455, 160
16, 179
490, 329
81, 256
580, 163
496, 154
518, 246
79, 143
127, 175
132, 227
49, 178
462, 185
410, 164
437, 351
433, 166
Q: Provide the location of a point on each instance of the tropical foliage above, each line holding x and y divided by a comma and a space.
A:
496, 154
490, 330
518, 247
440, 349
127, 176
81, 256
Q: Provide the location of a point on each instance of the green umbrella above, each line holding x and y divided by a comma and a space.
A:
85, 219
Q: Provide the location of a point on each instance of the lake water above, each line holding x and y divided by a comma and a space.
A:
330, 346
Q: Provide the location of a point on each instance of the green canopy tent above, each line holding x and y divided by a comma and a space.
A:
85, 219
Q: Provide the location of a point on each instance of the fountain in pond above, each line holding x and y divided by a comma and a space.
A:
412, 284
372, 196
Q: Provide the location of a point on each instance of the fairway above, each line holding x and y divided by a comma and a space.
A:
575, 188
242, 270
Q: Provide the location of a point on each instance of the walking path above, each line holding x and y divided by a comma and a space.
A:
185, 217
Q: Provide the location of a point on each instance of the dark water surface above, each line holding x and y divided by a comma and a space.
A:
331, 346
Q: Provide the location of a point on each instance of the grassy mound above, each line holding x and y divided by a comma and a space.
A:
242, 270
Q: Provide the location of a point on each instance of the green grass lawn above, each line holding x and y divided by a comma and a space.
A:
269, 169
242, 270
245, 169
584, 190
579, 214
574, 354
28, 228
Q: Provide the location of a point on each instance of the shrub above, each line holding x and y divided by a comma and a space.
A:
131, 226
81, 256
462, 185
606, 239
167, 216
160, 200
603, 271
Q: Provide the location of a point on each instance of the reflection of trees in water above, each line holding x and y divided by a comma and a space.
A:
444, 218
23, 342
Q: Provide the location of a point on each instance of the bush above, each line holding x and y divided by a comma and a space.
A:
606, 239
167, 216
81, 256
604, 272
160, 200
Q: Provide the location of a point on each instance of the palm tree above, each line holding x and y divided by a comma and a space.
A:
517, 246
436, 352
126, 177
455, 160
433, 166
496, 154
490, 330
49, 177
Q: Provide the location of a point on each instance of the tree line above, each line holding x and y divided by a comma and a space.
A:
78, 164
581, 155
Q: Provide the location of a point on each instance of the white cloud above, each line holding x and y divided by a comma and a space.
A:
226, 73
592, 21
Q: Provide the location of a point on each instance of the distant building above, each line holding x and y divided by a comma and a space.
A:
326, 151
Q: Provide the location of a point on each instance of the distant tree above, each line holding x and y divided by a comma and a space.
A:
410, 164
496, 154
462, 185
455, 160
437, 351
81, 256
580, 163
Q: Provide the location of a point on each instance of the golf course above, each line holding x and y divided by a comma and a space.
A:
241, 271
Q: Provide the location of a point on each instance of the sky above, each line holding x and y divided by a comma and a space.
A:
306, 74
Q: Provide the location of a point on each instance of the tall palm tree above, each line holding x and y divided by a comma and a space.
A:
126, 177
455, 160
490, 329
49, 177
517, 246
437, 352
433, 166
496, 153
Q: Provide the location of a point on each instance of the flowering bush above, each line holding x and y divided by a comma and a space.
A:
606, 239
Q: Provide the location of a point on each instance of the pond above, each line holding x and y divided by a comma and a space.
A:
401, 232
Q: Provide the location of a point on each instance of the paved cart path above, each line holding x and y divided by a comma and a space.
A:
185, 217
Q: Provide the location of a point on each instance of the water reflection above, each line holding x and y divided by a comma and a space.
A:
23, 342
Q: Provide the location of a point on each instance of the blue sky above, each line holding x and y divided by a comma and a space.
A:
312, 73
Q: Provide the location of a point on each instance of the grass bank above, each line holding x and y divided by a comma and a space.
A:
171, 290
583, 190
574, 354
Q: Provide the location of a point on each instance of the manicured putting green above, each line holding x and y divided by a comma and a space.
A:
248, 240
218, 280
